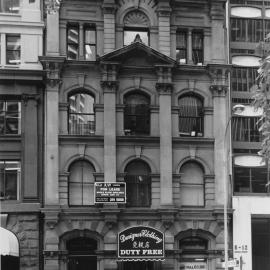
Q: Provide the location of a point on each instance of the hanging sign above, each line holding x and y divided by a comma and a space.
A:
140, 243
113, 192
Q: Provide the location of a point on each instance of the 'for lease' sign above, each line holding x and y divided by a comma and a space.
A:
113, 192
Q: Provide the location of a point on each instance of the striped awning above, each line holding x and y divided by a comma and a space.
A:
9, 245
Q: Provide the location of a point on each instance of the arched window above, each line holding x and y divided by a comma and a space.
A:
138, 184
137, 114
190, 116
81, 116
81, 183
82, 254
136, 23
192, 184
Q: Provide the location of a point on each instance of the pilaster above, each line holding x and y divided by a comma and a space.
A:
52, 66
221, 123
164, 87
30, 143
52, 26
164, 13
109, 9
109, 85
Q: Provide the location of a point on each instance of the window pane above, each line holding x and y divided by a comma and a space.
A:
90, 52
191, 195
72, 42
181, 47
13, 50
242, 179
90, 36
9, 6
81, 183
129, 36
9, 177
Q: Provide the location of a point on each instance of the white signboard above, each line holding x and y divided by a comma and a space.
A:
193, 266
231, 263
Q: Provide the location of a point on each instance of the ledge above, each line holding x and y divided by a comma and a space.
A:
21, 74
14, 207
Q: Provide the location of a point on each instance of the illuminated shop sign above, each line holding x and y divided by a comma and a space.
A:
140, 243
113, 192
193, 266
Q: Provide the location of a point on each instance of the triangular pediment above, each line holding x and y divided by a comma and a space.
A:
139, 55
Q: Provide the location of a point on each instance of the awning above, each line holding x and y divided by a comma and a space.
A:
9, 243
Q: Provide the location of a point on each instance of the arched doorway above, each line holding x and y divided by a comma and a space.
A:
82, 254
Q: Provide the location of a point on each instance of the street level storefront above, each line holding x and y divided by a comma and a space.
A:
251, 230
79, 242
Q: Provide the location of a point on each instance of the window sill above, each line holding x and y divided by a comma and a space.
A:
251, 194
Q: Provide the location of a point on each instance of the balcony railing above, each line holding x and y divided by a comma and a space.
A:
82, 128
245, 129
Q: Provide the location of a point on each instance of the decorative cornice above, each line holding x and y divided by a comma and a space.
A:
109, 86
164, 88
53, 67
52, 6
109, 8
27, 97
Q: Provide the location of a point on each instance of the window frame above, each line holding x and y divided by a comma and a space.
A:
5, 101
82, 183
199, 119
193, 184
137, 30
198, 51
140, 112
91, 44
81, 130
15, 4
182, 48
18, 178
13, 50
250, 170
76, 27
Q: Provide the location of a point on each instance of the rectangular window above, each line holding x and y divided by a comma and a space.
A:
72, 42
250, 179
90, 44
9, 6
197, 47
9, 180
181, 47
246, 30
10, 117
130, 35
243, 79
137, 119
245, 129
13, 49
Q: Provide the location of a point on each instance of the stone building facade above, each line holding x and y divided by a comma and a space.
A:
133, 92
150, 110
21, 125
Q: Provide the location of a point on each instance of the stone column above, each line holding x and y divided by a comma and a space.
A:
164, 13
164, 87
52, 27
221, 123
30, 143
52, 66
109, 86
109, 9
